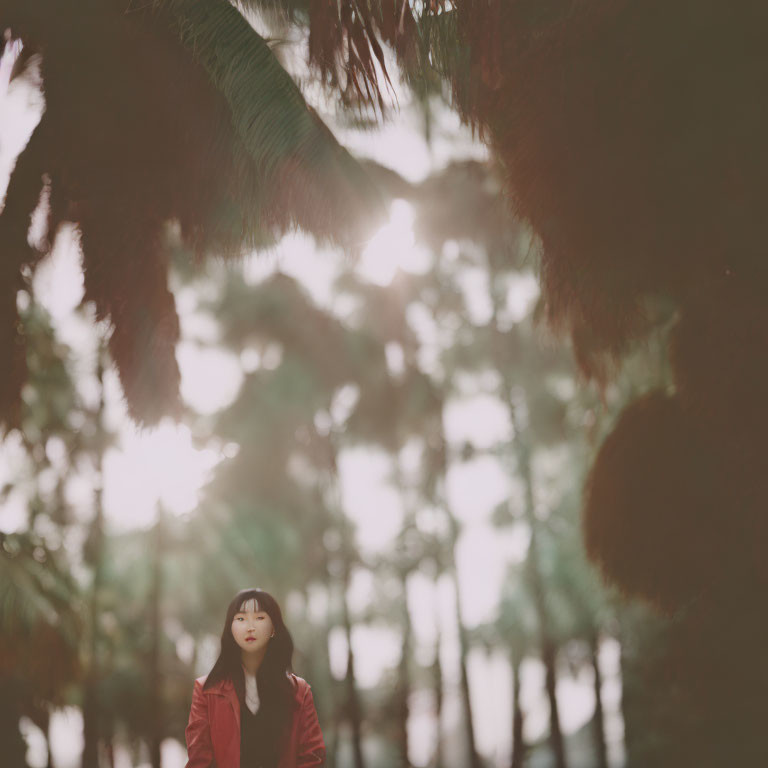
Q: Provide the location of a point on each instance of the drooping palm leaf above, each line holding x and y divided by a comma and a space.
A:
307, 177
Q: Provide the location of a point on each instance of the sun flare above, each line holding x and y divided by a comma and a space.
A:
161, 466
394, 248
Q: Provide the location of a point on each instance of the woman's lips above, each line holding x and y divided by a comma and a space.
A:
250, 639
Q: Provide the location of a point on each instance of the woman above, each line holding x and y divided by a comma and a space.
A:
251, 711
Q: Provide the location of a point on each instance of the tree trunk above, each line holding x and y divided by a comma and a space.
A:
630, 690
473, 759
332, 744
41, 716
353, 708
518, 745
95, 546
326, 695
155, 682
14, 748
549, 656
601, 748
547, 644
404, 564
47, 732
403, 678
332, 707
90, 758
110, 747
337, 721
437, 686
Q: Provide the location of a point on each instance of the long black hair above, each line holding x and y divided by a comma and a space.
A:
275, 686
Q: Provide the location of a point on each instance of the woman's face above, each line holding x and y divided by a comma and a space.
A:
252, 628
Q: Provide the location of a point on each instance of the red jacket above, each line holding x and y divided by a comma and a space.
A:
213, 731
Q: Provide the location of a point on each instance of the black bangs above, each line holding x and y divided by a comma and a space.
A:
252, 599
250, 605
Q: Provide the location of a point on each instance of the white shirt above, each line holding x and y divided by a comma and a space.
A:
251, 693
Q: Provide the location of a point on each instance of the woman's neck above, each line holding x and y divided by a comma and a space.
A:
251, 662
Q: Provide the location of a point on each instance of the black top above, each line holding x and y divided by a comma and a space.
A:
256, 746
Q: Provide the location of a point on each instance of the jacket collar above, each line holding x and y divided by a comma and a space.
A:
226, 689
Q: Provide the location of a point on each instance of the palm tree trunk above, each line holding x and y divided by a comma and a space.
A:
155, 705
95, 553
353, 708
47, 733
437, 686
473, 756
549, 656
403, 677
336, 719
473, 759
547, 645
110, 746
332, 708
41, 717
327, 704
90, 757
404, 564
630, 690
332, 744
601, 748
13, 745
518, 746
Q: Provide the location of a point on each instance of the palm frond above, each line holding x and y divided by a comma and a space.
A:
175, 110
345, 43
307, 177
16, 255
